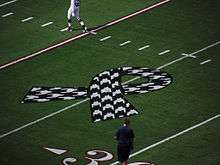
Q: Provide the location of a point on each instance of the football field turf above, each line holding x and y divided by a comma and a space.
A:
176, 125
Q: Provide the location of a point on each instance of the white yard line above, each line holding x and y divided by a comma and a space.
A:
164, 52
205, 48
171, 137
144, 47
184, 54
105, 38
27, 19
7, 3
47, 24
204, 62
6, 15
78, 103
172, 62
125, 43
43, 118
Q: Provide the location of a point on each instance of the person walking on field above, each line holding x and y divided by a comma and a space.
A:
125, 138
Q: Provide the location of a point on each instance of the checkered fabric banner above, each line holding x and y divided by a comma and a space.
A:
106, 92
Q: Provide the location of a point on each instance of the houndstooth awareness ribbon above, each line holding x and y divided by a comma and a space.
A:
106, 92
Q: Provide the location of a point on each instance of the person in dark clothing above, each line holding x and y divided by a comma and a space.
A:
125, 137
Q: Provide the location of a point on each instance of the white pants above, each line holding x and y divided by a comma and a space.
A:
73, 12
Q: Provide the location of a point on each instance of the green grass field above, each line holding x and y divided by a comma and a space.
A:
177, 27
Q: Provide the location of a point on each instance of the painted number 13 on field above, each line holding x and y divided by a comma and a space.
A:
92, 157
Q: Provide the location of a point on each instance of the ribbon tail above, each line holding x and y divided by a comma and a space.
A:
47, 94
124, 109
106, 97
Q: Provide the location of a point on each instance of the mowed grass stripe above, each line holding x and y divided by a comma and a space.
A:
78, 103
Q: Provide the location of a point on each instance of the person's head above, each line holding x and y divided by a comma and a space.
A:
126, 121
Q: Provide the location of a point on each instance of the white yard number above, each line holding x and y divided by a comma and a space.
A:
96, 156
141, 163
69, 161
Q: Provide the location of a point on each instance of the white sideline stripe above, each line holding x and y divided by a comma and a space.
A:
204, 62
164, 52
144, 47
6, 15
75, 104
125, 43
105, 38
27, 19
46, 24
82, 35
42, 51
63, 30
171, 137
6, 3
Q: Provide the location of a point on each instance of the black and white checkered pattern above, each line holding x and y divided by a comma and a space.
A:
106, 97
106, 92
45, 94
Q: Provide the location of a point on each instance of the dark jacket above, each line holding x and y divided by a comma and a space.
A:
125, 136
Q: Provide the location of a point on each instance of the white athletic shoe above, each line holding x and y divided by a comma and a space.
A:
69, 29
85, 30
